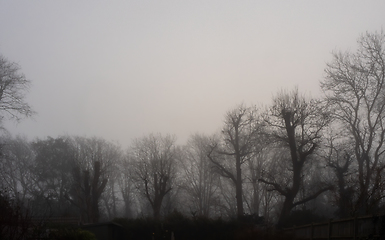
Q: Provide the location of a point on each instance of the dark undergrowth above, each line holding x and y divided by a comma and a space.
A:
198, 228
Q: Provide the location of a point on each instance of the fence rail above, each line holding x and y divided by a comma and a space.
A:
369, 227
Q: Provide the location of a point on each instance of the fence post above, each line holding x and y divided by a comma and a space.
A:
312, 231
293, 232
329, 229
355, 228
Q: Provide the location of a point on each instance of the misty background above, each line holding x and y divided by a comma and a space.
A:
121, 70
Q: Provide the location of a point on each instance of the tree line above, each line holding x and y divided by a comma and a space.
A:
322, 156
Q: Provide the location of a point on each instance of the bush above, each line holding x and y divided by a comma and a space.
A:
140, 228
202, 228
14, 219
71, 233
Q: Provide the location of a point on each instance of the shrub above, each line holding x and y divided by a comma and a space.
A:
71, 233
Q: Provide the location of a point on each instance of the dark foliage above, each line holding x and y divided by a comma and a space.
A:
63, 233
14, 220
203, 228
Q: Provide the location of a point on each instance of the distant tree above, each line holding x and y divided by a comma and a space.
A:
339, 157
227, 204
126, 184
89, 150
52, 170
109, 197
235, 146
154, 168
199, 182
13, 87
95, 160
354, 88
16, 167
254, 189
86, 192
295, 124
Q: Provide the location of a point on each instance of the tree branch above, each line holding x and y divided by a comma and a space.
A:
313, 196
276, 186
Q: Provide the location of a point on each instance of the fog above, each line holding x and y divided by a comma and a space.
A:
121, 70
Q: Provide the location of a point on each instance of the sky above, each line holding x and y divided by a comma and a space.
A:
120, 70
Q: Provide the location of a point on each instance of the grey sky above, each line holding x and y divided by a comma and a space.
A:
123, 69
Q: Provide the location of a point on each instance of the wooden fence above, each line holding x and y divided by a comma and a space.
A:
370, 227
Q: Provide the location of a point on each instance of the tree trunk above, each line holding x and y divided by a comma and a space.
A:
285, 212
156, 207
238, 186
256, 200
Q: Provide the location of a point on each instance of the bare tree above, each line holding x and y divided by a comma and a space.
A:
237, 144
256, 165
200, 183
354, 87
51, 171
154, 168
125, 184
86, 192
94, 161
339, 157
294, 124
13, 87
113, 154
227, 204
16, 164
